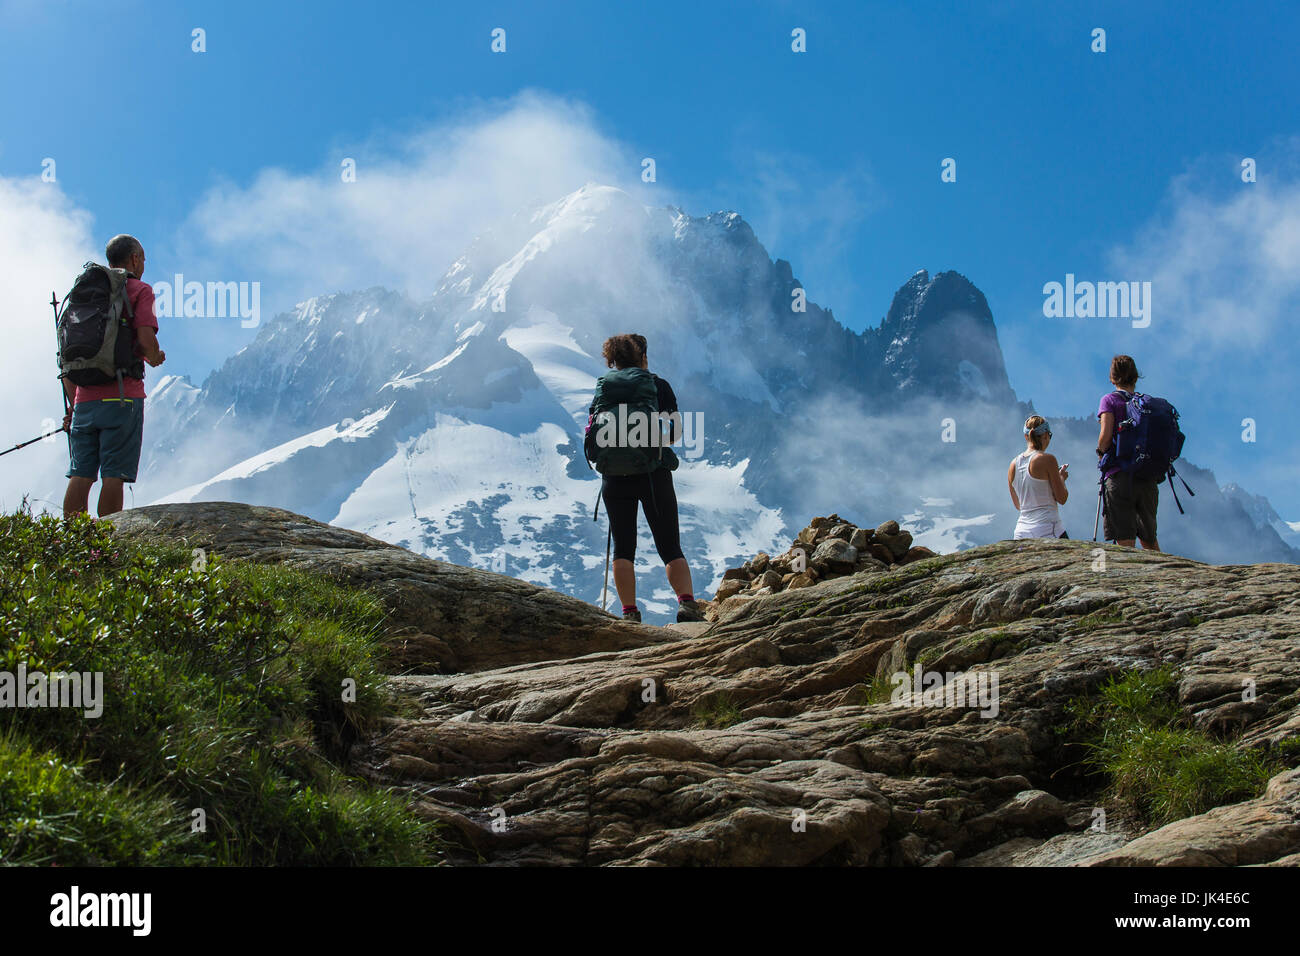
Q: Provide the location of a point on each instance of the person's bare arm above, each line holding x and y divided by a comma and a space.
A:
1107, 432
1054, 478
1011, 484
148, 340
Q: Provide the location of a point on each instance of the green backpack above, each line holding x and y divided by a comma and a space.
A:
623, 427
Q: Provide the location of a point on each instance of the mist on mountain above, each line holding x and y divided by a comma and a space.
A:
452, 425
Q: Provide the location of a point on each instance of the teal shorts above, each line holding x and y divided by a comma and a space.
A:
105, 438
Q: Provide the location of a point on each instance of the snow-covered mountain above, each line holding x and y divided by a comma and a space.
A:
452, 426
1261, 513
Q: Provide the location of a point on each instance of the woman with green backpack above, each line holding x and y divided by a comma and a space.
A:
626, 444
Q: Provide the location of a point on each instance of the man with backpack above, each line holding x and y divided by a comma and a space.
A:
625, 443
1139, 441
107, 332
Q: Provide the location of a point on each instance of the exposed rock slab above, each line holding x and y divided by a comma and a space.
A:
555, 734
795, 669
444, 617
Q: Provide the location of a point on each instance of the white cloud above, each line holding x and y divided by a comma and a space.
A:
1224, 268
1223, 258
417, 202
44, 238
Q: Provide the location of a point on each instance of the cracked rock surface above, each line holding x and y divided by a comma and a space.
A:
551, 733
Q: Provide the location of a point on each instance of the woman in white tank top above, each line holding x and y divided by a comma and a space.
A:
1037, 484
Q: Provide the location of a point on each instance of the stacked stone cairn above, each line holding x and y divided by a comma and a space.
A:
829, 547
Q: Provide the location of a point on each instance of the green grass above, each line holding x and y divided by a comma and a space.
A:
1098, 619
879, 690
223, 691
716, 710
51, 812
1159, 767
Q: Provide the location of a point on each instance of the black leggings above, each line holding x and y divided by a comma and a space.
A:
659, 502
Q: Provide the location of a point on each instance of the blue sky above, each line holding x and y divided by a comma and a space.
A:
1114, 166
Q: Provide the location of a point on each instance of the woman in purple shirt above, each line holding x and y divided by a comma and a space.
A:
1129, 503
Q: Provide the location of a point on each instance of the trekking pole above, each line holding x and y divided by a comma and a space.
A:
1097, 520
595, 515
32, 441
54, 301
604, 594
54, 304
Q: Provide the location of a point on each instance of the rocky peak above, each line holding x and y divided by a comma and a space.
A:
939, 338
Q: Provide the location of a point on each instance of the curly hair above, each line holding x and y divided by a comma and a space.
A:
1124, 372
624, 351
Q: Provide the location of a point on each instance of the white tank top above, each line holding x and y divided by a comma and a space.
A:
1039, 515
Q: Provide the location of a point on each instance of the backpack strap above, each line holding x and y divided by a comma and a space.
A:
127, 306
128, 309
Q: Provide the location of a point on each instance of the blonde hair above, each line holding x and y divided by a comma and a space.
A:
1035, 441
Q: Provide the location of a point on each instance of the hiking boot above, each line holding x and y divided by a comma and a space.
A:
689, 611
633, 615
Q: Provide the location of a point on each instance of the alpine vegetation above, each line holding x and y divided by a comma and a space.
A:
226, 697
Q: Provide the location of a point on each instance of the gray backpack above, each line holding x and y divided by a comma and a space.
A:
96, 339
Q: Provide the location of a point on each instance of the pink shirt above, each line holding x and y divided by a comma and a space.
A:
141, 294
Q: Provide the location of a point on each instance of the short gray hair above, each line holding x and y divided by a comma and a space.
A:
121, 248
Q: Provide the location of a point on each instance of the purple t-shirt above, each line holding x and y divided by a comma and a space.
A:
1117, 404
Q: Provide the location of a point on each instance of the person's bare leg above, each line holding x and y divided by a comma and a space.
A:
110, 497
679, 576
625, 581
1126, 544
1152, 545
76, 500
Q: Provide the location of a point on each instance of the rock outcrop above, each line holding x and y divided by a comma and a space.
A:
829, 547
550, 733
443, 617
